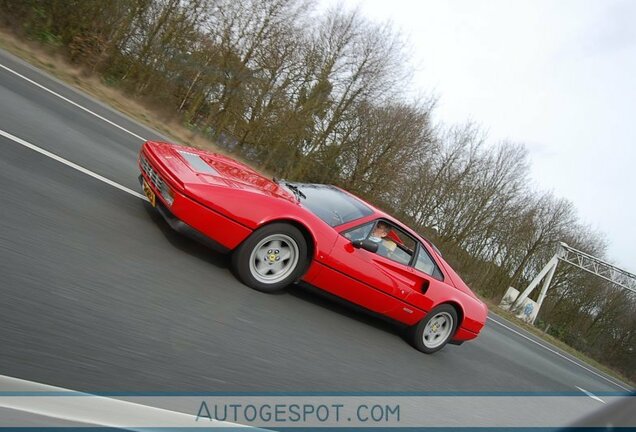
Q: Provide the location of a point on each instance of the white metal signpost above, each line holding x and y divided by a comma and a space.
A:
528, 309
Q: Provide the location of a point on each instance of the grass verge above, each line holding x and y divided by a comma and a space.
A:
49, 59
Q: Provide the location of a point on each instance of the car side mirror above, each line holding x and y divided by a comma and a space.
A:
365, 244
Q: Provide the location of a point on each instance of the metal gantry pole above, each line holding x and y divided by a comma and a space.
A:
579, 259
550, 267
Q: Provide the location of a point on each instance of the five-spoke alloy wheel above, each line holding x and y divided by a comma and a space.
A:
272, 258
435, 330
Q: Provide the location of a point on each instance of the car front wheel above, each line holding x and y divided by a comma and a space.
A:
435, 330
272, 258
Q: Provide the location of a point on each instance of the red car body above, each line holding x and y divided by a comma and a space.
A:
224, 202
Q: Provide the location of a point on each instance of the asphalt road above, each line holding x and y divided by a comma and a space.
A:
98, 294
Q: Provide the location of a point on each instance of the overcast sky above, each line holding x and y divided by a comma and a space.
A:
559, 76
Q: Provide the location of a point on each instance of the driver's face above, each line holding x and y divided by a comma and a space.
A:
380, 231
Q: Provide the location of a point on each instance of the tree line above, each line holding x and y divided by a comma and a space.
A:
323, 96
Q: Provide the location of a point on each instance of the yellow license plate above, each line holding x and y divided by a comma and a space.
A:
149, 193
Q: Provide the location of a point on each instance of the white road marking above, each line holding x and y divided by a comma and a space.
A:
70, 164
593, 396
86, 408
125, 189
559, 354
71, 102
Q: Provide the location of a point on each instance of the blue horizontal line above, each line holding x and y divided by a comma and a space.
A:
70, 393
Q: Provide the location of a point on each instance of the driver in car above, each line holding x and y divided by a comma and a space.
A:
378, 235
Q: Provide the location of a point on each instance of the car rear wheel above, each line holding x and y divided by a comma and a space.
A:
435, 330
272, 258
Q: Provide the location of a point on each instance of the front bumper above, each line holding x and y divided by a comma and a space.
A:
188, 216
183, 228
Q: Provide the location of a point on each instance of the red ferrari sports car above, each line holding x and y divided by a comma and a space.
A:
281, 232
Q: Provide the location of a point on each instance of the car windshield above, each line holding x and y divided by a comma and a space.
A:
330, 204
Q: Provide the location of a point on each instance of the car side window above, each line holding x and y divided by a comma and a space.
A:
425, 263
359, 233
393, 243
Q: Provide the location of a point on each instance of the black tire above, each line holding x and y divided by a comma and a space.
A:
430, 340
272, 258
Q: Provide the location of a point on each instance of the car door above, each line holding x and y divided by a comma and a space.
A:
378, 281
430, 287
